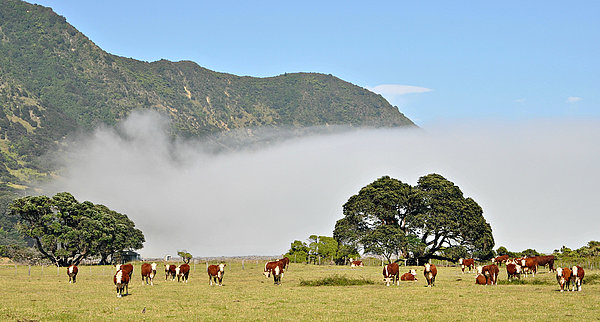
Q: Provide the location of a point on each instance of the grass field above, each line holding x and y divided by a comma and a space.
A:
248, 295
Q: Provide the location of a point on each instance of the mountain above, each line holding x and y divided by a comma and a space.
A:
54, 81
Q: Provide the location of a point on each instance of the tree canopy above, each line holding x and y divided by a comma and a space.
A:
66, 231
389, 217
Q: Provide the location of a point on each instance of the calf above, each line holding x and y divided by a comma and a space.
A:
276, 269
500, 259
170, 271
491, 274
216, 273
430, 272
391, 272
480, 280
148, 273
466, 262
529, 265
121, 280
563, 276
577, 277
513, 270
410, 276
182, 271
72, 273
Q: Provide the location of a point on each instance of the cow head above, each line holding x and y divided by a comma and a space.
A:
574, 270
267, 272
427, 267
460, 261
118, 267
413, 272
177, 271
479, 269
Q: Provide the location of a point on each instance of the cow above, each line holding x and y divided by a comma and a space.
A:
148, 273
430, 272
563, 276
410, 276
513, 270
276, 269
128, 268
577, 277
491, 274
391, 272
480, 280
182, 271
216, 273
500, 259
121, 280
466, 262
357, 264
546, 260
72, 273
529, 265
286, 262
170, 271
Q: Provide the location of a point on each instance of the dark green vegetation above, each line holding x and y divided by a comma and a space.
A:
336, 280
54, 81
391, 218
66, 231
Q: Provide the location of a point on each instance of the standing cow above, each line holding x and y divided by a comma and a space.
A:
72, 273
391, 272
577, 277
529, 265
491, 274
182, 271
216, 273
127, 268
170, 271
121, 280
500, 259
546, 260
410, 276
275, 269
466, 262
148, 273
563, 276
513, 270
430, 272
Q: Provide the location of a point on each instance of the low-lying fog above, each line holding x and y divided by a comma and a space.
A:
537, 182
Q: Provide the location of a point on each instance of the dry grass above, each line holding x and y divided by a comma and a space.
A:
248, 295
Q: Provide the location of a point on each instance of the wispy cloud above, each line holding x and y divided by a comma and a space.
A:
573, 99
397, 89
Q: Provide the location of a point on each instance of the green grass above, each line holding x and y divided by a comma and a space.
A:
336, 280
248, 295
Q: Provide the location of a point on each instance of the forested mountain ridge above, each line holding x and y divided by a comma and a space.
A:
54, 81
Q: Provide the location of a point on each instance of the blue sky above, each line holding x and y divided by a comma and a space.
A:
443, 61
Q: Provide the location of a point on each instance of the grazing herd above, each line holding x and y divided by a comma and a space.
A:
569, 278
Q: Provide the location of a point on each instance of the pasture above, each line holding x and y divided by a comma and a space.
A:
248, 295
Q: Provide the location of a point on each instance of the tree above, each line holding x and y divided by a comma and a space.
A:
66, 231
388, 217
185, 256
298, 251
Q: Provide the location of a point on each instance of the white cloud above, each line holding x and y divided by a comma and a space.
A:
396, 89
573, 99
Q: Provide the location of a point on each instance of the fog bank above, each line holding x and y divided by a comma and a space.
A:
536, 181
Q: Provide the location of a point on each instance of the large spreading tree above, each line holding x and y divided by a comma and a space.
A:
433, 218
66, 231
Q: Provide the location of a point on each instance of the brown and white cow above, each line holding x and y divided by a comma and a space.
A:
357, 264
391, 272
577, 277
500, 259
286, 262
170, 270
148, 272
430, 272
546, 260
513, 270
182, 271
466, 262
563, 276
275, 269
491, 274
121, 280
128, 268
72, 273
529, 265
216, 272
410, 276
480, 280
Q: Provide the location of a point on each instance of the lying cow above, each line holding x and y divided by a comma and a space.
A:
480, 280
148, 272
410, 276
430, 272
466, 262
121, 280
391, 273
577, 277
72, 273
563, 276
216, 273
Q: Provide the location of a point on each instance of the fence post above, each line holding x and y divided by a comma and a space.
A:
29, 271
42, 270
242, 264
57, 269
15, 269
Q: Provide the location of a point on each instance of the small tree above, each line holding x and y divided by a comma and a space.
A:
298, 251
185, 256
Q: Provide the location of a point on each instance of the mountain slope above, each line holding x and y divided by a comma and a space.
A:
54, 81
